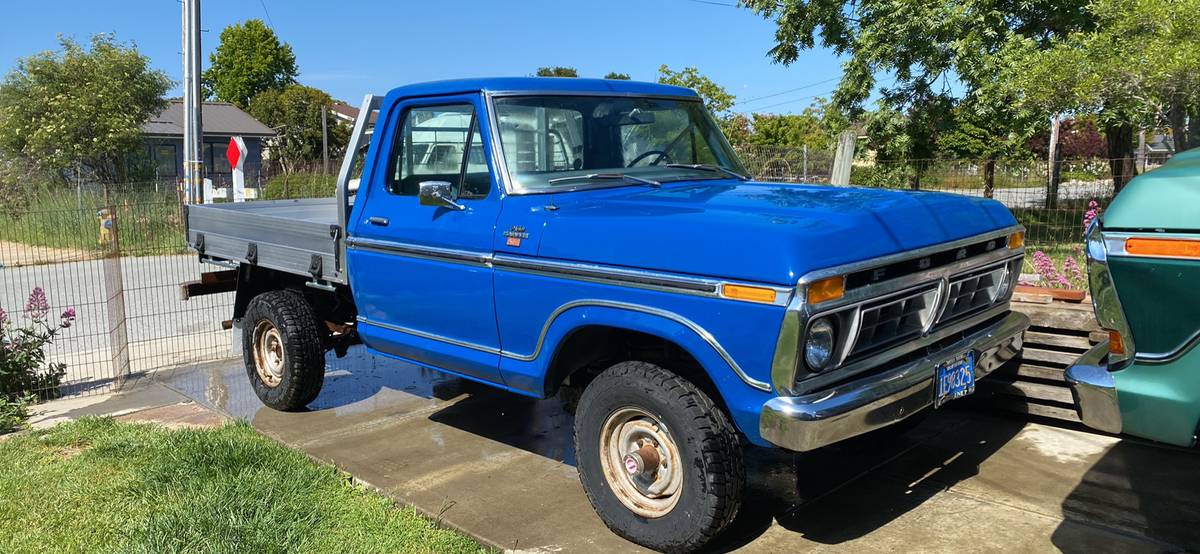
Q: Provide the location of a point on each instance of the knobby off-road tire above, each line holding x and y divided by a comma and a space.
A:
282, 350
695, 452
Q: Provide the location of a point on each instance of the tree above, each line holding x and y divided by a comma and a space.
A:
557, 71
80, 106
617, 76
1139, 65
975, 130
816, 127
295, 114
715, 97
926, 45
249, 59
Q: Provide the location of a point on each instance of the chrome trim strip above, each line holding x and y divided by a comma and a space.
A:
693, 326
1095, 390
636, 278
1106, 302
1171, 355
420, 251
430, 336
1115, 243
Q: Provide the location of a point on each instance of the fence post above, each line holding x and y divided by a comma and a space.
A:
1052, 173
805, 178
114, 293
843, 158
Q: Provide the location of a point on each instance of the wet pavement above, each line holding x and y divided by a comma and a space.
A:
501, 467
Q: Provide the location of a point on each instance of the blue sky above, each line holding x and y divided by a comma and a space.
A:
352, 47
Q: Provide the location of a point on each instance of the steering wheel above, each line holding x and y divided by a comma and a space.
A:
661, 156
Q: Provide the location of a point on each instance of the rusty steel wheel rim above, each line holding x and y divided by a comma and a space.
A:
268, 353
641, 462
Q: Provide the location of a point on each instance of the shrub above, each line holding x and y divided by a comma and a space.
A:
300, 185
23, 367
14, 412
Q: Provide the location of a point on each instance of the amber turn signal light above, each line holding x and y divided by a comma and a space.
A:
1162, 248
748, 293
829, 288
1016, 240
1116, 345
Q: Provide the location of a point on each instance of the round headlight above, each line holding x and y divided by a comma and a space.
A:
818, 344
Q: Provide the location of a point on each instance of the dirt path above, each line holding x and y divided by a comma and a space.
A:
15, 254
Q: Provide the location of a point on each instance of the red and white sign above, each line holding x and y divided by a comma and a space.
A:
236, 152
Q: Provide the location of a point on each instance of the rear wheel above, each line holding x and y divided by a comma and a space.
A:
660, 463
282, 350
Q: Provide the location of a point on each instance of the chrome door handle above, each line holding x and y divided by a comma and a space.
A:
380, 221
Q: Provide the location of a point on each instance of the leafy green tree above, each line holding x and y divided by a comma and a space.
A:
80, 105
816, 127
557, 71
1139, 65
250, 59
295, 114
921, 46
617, 76
716, 98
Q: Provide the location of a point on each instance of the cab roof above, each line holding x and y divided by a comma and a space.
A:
539, 84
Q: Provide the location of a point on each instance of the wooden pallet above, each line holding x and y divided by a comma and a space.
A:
1034, 383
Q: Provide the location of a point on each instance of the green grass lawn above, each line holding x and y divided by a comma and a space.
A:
98, 485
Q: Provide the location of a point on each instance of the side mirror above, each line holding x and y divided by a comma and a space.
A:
438, 193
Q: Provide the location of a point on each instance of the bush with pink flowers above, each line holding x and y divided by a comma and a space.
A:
24, 336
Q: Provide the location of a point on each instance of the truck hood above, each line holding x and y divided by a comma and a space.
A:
754, 231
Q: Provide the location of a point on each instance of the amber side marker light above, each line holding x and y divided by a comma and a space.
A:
752, 294
829, 288
1016, 240
1172, 248
1116, 345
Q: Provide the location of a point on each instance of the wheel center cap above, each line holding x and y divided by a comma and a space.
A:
644, 460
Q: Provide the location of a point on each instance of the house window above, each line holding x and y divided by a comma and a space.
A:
164, 160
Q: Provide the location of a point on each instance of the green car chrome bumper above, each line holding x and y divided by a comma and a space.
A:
1095, 390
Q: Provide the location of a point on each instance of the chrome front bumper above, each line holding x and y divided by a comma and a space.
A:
1095, 390
814, 420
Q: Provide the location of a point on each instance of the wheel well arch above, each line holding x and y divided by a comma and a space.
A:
587, 350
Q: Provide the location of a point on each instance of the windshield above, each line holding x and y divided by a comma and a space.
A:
562, 142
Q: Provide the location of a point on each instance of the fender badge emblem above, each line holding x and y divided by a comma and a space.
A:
515, 235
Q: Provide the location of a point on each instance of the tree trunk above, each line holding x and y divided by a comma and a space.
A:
1177, 115
1194, 127
1120, 154
989, 177
1054, 168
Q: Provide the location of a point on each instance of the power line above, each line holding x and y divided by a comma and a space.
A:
270, 23
808, 86
714, 3
793, 100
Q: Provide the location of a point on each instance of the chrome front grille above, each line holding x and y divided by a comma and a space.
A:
973, 292
894, 319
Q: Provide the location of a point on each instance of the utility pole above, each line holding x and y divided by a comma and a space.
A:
325, 139
193, 141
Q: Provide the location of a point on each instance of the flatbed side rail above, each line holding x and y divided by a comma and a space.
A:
359, 137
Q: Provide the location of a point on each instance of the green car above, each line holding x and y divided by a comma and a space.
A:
1144, 272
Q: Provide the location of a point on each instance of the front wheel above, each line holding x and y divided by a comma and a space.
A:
661, 464
283, 350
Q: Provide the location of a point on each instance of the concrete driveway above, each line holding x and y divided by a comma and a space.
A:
501, 468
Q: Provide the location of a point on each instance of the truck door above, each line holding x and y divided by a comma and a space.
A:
420, 273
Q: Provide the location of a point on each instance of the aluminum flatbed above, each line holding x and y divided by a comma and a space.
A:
294, 236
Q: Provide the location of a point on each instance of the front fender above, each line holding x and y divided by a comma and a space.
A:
742, 394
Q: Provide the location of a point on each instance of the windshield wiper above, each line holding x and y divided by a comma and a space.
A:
589, 176
713, 168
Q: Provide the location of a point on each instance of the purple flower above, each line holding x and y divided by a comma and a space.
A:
67, 317
37, 306
1072, 269
3, 317
1050, 275
1091, 215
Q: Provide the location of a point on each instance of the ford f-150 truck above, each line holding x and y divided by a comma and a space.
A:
600, 238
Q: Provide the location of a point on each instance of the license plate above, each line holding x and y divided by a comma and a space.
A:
954, 379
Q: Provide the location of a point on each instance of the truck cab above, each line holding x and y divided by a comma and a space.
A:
600, 239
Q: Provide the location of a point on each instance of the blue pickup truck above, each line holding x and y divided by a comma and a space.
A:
600, 239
